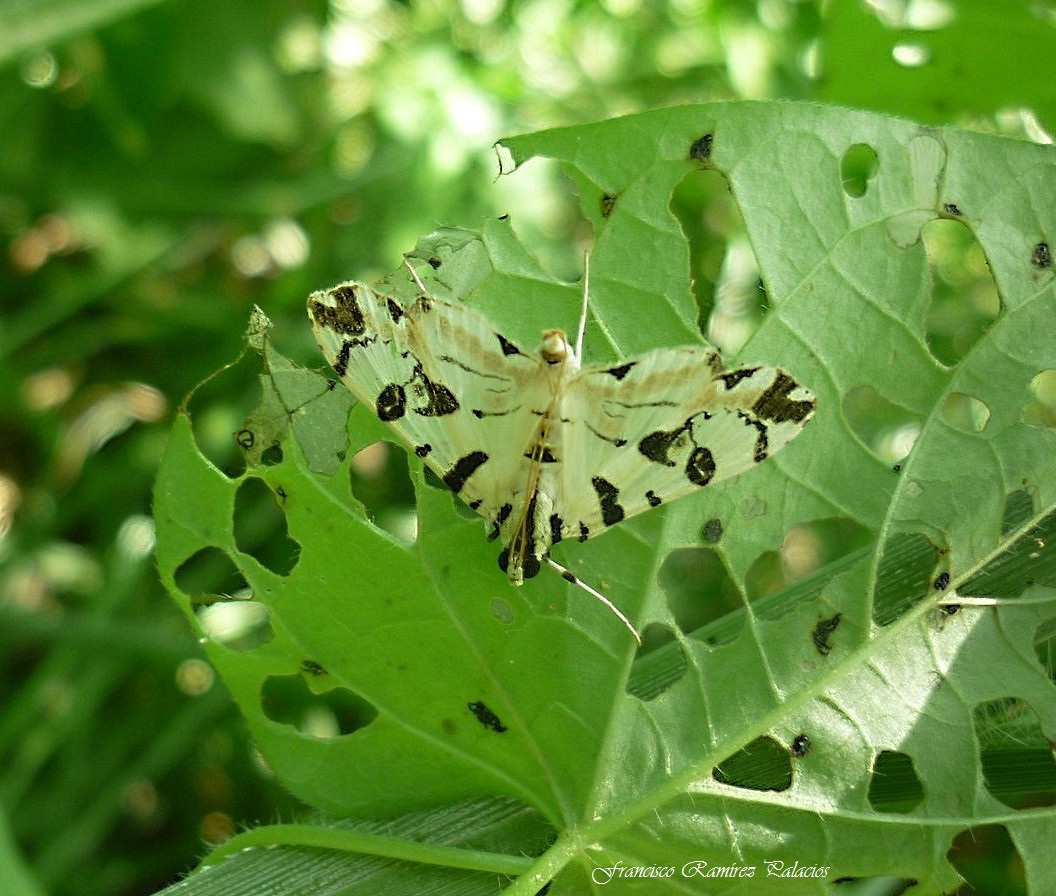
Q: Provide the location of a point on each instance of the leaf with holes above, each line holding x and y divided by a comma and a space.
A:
847, 651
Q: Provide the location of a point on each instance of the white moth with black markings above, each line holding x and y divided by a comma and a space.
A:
541, 447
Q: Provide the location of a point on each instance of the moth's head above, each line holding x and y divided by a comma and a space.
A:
554, 349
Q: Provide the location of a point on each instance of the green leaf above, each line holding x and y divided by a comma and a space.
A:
761, 735
933, 61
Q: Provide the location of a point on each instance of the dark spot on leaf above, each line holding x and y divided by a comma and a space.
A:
485, 716
700, 151
822, 631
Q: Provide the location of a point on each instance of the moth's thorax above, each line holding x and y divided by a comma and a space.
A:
554, 349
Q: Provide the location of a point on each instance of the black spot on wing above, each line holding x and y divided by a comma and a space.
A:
608, 500
656, 445
439, 400
341, 362
776, 406
700, 467
346, 317
556, 525
392, 403
456, 478
733, 377
653, 498
508, 348
584, 532
620, 372
395, 310
423, 450
544, 455
762, 438
500, 518
615, 441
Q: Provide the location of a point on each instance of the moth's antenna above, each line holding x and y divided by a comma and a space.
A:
570, 576
583, 310
414, 274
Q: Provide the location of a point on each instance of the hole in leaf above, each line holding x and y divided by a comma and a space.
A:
700, 593
219, 408
260, 527
288, 700
724, 270
661, 663
911, 54
209, 574
907, 568
382, 483
764, 764
886, 429
893, 784
1016, 757
807, 549
964, 298
857, 167
988, 860
1040, 409
241, 625
965, 413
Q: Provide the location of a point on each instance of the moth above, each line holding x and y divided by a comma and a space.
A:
544, 448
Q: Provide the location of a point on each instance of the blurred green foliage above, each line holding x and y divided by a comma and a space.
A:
163, 167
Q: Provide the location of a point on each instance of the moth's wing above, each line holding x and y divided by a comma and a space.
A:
644, 432
459, 394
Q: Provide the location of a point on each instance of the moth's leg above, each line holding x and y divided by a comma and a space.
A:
570, 576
